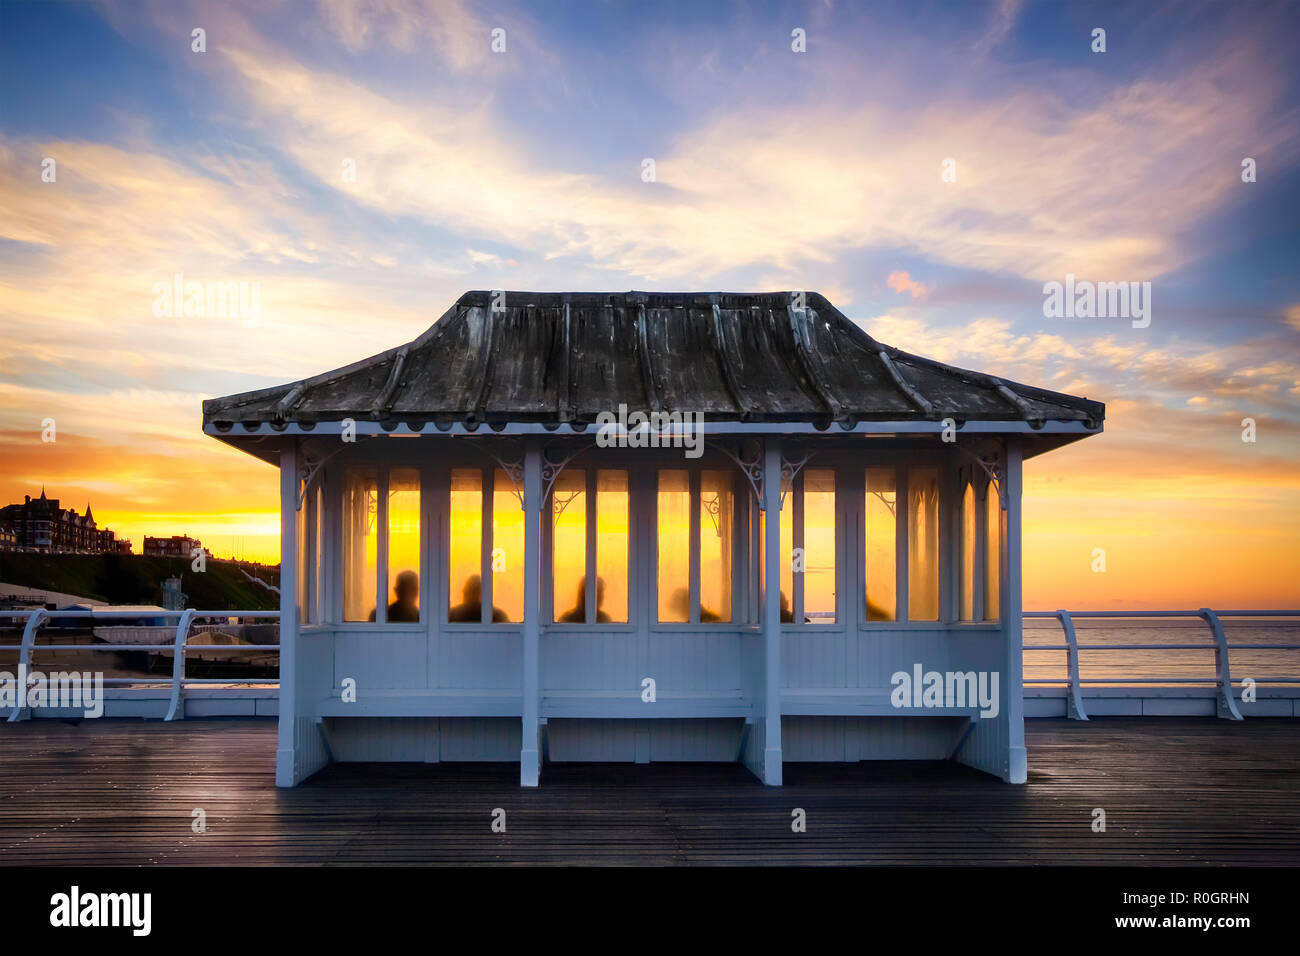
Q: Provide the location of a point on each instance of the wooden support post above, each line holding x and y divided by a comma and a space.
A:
950, 562
1014, 763
530, 754
772, 680
285, 765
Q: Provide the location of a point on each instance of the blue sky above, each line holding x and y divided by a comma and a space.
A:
774, 170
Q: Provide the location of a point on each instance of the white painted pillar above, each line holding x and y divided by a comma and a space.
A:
530, 754
1015, 764
772, 670
285, 765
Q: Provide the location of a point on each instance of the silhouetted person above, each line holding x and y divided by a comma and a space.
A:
680, 605
877, 613
470, 609
406, 609
578, 613
787, 615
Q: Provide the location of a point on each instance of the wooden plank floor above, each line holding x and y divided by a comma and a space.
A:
1175, 791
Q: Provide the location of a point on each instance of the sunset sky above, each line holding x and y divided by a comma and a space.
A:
774, 170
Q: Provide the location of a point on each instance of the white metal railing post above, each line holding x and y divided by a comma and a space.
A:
24, 661
1226, 706
1074, 699
175, 711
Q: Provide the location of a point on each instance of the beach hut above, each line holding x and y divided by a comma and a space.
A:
649, 527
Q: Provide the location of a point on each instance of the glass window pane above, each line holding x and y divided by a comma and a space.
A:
787, 561
360, 543
923, 544
404, 545
301, 519
881, 545
611, 546
717, 531
674, 546
968, 553
569, 546
819, 546
465, 551
318, 548
992, 559
507, 550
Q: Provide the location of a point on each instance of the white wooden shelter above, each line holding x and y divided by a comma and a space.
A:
478, 566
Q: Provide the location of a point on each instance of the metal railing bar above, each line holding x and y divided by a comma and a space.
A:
161, 612
185, 618
144, 647
231, 680
1146, 647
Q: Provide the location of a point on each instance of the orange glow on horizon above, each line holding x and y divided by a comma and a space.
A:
1221, 534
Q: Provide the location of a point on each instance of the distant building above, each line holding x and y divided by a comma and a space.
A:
177, 546
124, 546
41, 525
8, 540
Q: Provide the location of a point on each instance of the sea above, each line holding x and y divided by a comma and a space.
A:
1162, 665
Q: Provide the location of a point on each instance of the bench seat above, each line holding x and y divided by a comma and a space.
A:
857, 702
629, 705
424, 702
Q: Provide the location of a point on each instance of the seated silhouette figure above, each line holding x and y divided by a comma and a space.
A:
470, 609
680, 605
578, 613
406, 607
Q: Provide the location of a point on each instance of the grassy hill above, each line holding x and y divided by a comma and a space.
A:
135, 579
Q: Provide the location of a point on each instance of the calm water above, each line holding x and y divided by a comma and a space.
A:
1152, 665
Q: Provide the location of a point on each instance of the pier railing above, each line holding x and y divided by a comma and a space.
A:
1073, 683
1225, 704
179, 647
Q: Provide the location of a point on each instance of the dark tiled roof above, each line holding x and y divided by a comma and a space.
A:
555, 358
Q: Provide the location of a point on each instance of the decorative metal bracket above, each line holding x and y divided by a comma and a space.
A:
513, 467
562, 504
551, 469
711, 506
310, 463
789, 469
992, 466
752, 469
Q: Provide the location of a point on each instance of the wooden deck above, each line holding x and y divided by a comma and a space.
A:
1175, 791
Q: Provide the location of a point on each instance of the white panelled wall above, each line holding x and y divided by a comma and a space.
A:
755, 689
